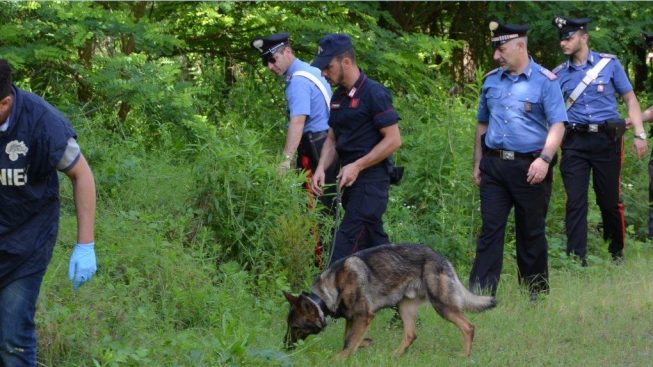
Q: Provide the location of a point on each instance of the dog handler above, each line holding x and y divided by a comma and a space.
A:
36, 142
593, 139
520, 127
363, 133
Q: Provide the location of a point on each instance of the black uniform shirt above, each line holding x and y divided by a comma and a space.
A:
356, 118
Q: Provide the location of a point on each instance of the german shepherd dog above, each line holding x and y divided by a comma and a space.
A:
358, 286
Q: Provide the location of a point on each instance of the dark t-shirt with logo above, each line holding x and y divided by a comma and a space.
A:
30, 149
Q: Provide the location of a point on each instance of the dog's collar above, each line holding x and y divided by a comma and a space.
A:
321, 306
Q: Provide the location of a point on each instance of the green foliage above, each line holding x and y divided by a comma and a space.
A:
256, 217
197, 234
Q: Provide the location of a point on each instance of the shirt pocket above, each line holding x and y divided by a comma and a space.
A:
601, 87
493, 97
530, 103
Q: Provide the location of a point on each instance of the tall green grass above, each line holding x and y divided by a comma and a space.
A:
197, 239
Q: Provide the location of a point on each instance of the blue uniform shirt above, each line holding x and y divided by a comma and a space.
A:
520, 108
356, 118
30, 150
297, 90
598, 102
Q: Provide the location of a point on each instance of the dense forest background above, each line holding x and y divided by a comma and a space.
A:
184, 127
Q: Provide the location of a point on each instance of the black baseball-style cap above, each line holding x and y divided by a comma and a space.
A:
329, 46
568, 26
267, 46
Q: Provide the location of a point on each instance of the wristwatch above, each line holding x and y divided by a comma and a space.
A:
545, 158
641, 136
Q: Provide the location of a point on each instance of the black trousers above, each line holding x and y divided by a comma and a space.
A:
504, 186
582, 153
365, 202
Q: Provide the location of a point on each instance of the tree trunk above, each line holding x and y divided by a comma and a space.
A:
128, 46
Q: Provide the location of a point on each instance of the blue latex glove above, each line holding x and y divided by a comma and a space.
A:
82, 265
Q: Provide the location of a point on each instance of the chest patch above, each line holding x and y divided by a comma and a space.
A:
354, 103
15, 148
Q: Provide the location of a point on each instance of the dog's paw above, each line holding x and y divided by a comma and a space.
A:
343, 354
366, 343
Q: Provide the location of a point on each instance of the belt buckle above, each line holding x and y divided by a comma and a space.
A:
593, 128
507, 155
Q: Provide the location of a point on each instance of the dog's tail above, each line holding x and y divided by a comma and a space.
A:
470, 301
474, 303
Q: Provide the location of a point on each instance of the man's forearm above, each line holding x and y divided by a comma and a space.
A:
85, 200
647, 115
294, 136
634, 112
554, 139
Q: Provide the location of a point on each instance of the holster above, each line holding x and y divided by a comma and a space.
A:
396, 173
615, 129
311, 148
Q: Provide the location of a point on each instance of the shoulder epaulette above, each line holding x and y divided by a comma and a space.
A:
609, 56
559, 67
490, 73
548, 73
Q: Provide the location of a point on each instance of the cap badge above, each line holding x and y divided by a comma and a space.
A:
319, 50
494, 25
258, 44
560, 22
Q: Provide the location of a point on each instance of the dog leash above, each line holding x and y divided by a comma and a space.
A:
336, 223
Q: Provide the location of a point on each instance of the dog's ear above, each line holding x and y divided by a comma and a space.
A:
305, 303
291, 299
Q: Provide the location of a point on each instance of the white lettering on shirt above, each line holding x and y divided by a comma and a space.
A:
13, 177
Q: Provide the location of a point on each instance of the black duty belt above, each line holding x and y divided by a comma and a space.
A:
586, 128
509, 155
313, 136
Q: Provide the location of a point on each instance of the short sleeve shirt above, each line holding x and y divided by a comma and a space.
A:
598, 103
305, 98
519, 109
358, 115
30, 150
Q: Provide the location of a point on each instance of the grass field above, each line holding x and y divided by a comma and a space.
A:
596, 316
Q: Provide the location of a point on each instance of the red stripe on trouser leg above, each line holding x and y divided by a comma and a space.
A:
306, 166
621, 207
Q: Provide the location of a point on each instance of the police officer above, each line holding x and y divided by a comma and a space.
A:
520, 126
36, 141
647, 116
593, 139
363, 132
308, 95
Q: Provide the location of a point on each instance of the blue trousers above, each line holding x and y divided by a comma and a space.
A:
17, 327
362, 225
